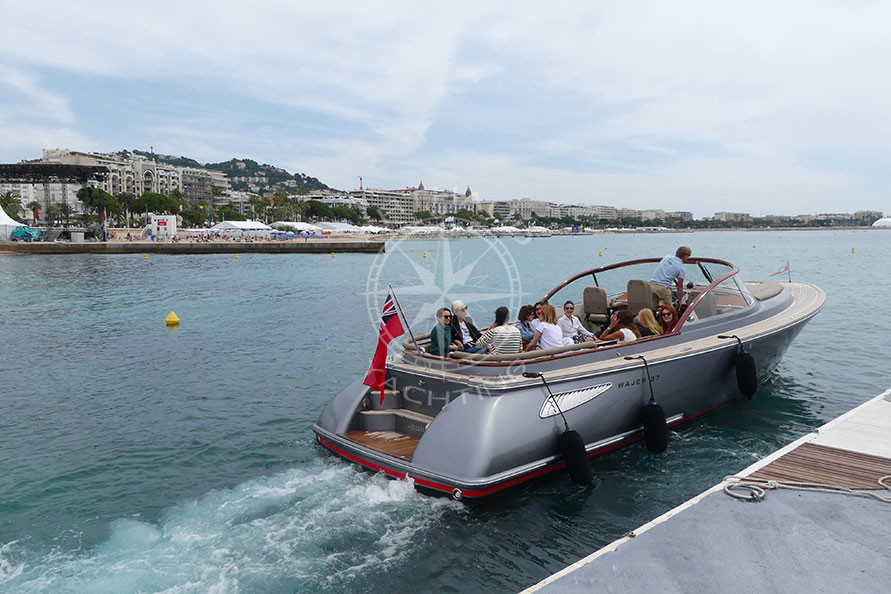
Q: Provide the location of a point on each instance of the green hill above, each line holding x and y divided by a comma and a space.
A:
275, 176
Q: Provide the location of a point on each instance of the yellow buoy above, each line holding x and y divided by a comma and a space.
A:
412, 249
332, 254
425, 254
599, 253
172, 319
236, 256
852, 250
145, 256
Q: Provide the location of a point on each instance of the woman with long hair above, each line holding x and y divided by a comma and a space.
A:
548, 335
647, 323
668, 317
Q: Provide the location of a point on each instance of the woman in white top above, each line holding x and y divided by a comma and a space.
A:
548, 334
621, 328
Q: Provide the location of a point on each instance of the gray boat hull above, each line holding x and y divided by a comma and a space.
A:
493, 429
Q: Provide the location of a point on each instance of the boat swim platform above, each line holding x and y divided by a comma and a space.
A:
788, 541
317, 246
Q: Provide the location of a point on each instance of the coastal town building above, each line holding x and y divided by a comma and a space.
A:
732, 217
197, 185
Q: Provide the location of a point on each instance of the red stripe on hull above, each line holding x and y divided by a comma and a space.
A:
477, 493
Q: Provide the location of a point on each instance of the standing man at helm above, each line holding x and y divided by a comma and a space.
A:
669, 273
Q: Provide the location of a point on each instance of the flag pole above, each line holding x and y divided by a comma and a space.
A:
402, 313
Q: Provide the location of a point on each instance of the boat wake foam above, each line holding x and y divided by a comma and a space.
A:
320, 527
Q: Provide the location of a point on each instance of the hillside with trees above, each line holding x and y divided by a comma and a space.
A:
275, 176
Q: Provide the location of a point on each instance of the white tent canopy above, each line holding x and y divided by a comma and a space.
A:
341, 228
421, 230
883, 222
7, 224
299, 226
241, 226
373, 229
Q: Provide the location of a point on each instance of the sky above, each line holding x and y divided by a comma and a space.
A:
758, 107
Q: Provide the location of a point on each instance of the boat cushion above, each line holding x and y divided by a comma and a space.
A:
764, 290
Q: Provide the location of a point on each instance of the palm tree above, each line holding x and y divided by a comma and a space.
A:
52, 213
65, 209
34, 207
10, 203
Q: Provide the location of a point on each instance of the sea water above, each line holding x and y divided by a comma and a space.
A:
142, 458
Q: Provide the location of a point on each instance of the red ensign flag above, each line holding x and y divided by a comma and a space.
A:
391, 327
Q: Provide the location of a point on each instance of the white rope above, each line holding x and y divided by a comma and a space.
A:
757, 488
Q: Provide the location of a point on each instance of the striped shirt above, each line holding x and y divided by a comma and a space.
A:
504, 339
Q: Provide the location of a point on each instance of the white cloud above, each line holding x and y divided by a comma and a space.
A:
633, 103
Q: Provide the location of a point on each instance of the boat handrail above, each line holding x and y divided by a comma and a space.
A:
594, 271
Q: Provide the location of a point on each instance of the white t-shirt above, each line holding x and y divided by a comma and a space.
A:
552, 336
465, 333
627, 335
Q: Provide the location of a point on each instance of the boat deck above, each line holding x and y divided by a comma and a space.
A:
392, 443
789, 541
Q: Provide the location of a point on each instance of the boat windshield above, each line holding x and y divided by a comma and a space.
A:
627, 285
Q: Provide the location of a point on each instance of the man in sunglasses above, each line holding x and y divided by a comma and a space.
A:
571, 326
441, 335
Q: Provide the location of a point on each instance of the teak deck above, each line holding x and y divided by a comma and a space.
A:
816, 463
391, 443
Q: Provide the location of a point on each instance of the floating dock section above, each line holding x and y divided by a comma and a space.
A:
212, 247
792, 536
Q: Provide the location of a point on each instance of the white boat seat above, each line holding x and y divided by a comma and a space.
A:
707, 307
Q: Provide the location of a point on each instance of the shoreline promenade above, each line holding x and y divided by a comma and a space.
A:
314, 246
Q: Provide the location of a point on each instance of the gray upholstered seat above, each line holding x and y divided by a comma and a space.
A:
595, 308
639, 295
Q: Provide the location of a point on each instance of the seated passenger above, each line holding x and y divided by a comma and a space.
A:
537, 320
647, 324
621, 327
441, 335
524, 322
463, 330
668, 317
548, 334
502, 338
571, 326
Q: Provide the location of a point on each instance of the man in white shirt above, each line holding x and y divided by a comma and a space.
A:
571, 325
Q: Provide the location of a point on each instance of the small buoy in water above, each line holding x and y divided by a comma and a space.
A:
604, 247
145, 256
236, 256
599, 253
172, 319
753, 245
412, 249
852, 250
332, 254
425, 254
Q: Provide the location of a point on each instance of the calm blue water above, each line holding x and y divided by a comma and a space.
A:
142, 459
